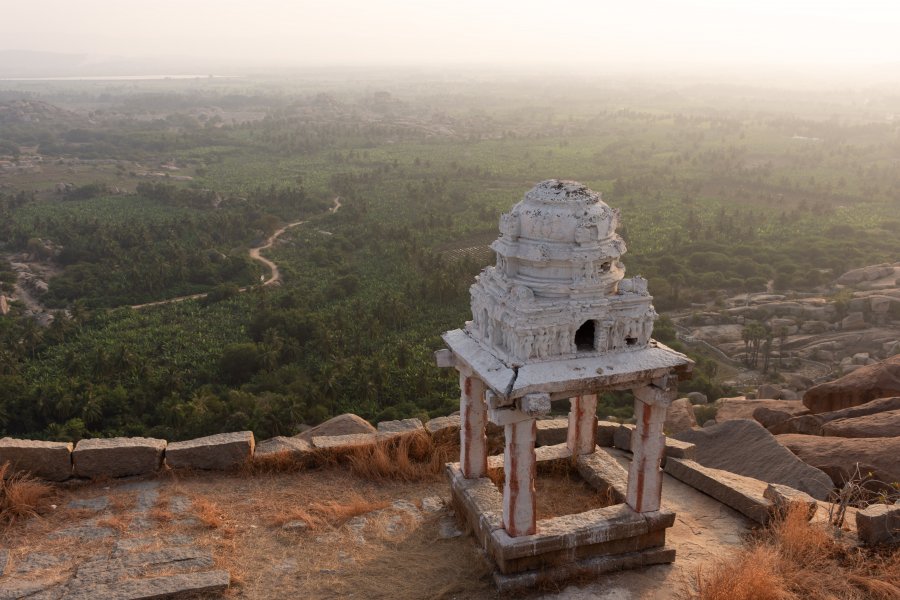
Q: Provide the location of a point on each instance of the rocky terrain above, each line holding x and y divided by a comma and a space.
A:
855, 322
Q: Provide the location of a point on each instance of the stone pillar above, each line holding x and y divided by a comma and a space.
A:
582, 433
647, 446
519, 465
472, 426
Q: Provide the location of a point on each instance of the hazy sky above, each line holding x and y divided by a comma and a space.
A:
463, 31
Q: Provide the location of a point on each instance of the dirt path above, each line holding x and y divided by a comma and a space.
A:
255, 254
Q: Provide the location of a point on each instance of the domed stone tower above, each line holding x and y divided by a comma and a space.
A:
556, 320
557, 290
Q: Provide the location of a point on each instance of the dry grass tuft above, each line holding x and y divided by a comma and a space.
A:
413, 456
207, 512
278, 462
319, 515
794, 559
21, 495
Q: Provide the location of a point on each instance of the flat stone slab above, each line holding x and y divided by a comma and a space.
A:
605, 432
879, 524
674, 448
117, 457
590, 567
604, 473
440, 425
345, 441
85, 532
570, 377
49, 460
400, 426
293, 446
784, 498
220, 452
745, 447
744, 494
153, 588
552, 431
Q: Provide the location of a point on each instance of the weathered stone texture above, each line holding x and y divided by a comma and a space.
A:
552, 431
606, 431
400, 426
746, 448
838, 457
729, 409
50, 460
292, 446
345, 441
865, 384
879, 425
744, 494
219, 452
117, 457
680, 417
345, 424
153, 588
879, 524
784, 498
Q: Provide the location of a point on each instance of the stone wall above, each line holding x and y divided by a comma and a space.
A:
122, 457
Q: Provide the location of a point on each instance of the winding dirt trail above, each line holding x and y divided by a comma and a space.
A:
255, 254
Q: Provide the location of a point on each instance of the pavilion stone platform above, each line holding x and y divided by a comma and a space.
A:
554, 320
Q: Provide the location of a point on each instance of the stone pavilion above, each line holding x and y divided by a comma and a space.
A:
555, 319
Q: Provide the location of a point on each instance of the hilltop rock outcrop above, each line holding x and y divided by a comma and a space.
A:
746, 448
878, 425
680, 417
864, 274
862, 385
740, 407
838, 457
345, 424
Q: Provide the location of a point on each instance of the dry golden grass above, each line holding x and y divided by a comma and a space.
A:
318, 515
413, 456
21, 496
207, 512
797, 560
559, 489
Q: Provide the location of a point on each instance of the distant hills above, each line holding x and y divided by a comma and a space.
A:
29, 63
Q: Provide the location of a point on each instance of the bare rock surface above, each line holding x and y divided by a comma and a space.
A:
879, 425
219, 452
291, 445
552, 431
100, 562
805, 424
863, 274
744, 494
863, 385
784, 498
400, 426
879, 524
770, 417
740, 407
838, 457
345, 424
117, 457
50, 460
869, 408
680, 417
745, 447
